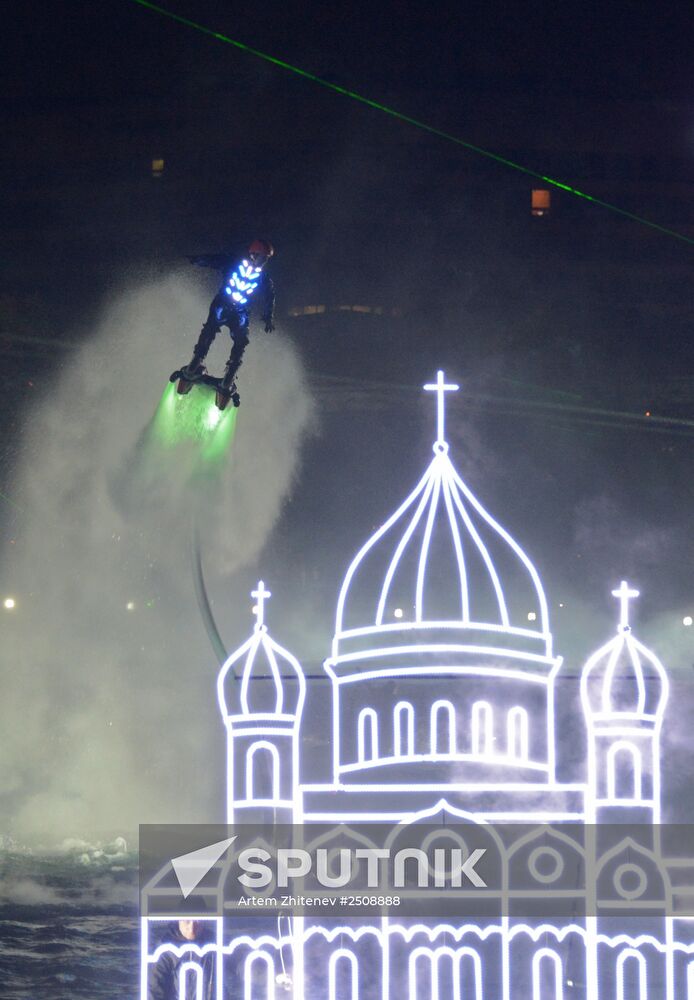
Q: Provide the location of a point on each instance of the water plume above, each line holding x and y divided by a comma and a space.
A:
105, 716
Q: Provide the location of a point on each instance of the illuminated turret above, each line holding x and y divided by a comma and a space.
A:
624, 690
261, 705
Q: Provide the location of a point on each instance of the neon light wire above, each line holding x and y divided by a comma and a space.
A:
417, 123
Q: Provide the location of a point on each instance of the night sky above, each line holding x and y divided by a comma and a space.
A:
570, 333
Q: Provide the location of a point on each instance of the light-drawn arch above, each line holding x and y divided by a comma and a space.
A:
256, 991
426, 992
343, 955
690, 981
254, 771
403, 729
631, 957
517, 731
433, 959
465, 957
624, 771
367, 735
547, 965
445, 708
482, 728
190, 981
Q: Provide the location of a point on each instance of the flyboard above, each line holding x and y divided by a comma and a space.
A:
223, 394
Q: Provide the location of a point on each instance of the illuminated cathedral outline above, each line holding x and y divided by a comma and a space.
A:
474, 744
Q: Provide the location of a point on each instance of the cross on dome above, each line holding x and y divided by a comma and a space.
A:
261, 595
440, 387
625, 593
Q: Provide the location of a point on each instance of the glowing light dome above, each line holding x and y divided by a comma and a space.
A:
282, 684
442, 555
624, 677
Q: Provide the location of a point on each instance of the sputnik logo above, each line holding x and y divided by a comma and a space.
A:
191, 868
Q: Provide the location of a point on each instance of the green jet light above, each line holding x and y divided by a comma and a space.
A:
194, 418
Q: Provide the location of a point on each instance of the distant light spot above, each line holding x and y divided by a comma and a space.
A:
687, 620
540, 201
9, 603
561, 605
398, 612
130, 605
531, 616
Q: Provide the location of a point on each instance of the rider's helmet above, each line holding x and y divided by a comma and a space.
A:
260, 252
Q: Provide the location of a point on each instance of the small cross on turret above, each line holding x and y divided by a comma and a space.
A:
261, 595
625, 593
440, 387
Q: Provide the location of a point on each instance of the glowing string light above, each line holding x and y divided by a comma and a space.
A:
623, 737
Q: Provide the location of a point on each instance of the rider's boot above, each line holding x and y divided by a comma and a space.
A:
195, 366
235, 358
230, 374
227, 387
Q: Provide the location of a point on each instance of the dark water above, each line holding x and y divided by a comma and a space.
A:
69, 925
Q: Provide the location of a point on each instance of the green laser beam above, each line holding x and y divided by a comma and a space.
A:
423, 126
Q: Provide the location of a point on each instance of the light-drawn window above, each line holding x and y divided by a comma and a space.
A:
469, 974
482, 729
262, 771
632, 980
423, 975
548, 981
367, 735
259, 977
190, 981
518, 733
343, 975
444, 973
442, 727
403, 729
624, 771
